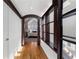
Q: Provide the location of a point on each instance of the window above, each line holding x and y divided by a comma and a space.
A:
48, 27
43, 29
69, 30
69, 37
51, 29
69, 26
52, 40
51, 16
69, 50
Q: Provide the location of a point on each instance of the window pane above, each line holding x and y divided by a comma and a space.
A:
51, 40
51, 27
69, 26
43, 21
44, 36
44, 28
51, 16
69, 50
68, 5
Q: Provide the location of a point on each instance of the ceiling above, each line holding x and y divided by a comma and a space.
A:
36, 7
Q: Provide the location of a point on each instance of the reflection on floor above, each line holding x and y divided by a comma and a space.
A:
31, 51
31, 39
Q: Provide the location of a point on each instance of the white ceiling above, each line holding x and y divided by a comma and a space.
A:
37, 7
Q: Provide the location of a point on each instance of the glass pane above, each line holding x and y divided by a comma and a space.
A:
68, 5
51, 27
69, 26
51, 16
43, 21
69, 50
40, 30
44, 28
51, 40
43, 32
44, 36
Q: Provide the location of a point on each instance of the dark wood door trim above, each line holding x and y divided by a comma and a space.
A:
58, 27
38, 31
22, 39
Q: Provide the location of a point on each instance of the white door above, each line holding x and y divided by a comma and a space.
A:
5, 31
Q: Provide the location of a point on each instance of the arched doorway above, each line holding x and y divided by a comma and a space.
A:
31, 29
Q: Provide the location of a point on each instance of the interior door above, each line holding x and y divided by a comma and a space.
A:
5, 32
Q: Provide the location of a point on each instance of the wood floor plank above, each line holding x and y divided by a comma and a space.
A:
31, 51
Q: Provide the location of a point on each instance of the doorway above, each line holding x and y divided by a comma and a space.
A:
31, 31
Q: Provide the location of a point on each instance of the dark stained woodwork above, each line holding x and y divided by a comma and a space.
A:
58, 27
31, 15
38, 31
55, 28
69, 37
57, 7
26, 28
47, 29
42, 29
60, 9
68, 41
22, 40
49, 23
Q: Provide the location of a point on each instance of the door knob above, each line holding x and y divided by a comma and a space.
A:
7, 39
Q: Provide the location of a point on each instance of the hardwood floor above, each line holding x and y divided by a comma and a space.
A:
31, 51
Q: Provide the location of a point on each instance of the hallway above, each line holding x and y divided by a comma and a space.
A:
39, 29
31, 51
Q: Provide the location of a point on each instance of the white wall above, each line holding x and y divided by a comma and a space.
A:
5, 30
40, 28
14, 31
49, 52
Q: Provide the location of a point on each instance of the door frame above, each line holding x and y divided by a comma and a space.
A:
38, 27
